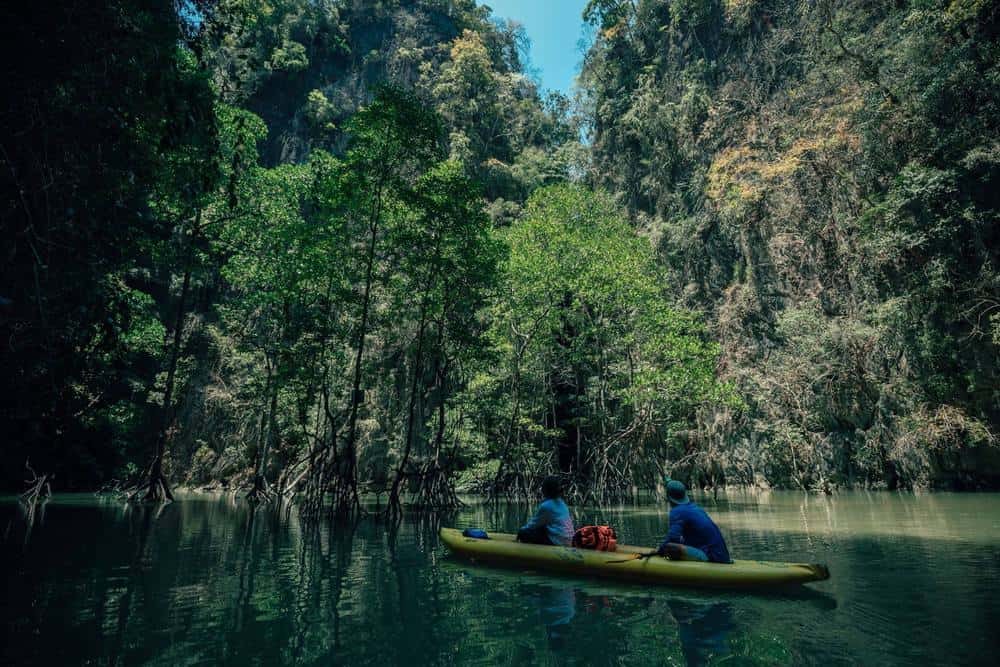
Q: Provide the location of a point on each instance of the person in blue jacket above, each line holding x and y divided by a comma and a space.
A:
552, 523
692, 534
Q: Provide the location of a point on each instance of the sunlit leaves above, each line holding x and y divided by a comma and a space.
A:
583, 299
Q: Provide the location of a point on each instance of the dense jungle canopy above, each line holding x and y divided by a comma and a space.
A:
334, 247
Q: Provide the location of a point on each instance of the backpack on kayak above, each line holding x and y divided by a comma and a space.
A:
598, 538
477, 533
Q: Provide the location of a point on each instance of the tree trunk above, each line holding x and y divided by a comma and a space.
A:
441, 374
259, 490
158, 487
417, 368
350, 500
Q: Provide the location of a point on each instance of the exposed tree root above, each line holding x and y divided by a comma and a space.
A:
260, 491
512, 485
436, 488
315, 482
39, 486
152, 486
112, 487
330, 487
158, 490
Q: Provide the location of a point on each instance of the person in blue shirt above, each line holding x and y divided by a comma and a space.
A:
692, 534
552, 523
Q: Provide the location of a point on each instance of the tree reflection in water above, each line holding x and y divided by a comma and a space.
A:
204, 580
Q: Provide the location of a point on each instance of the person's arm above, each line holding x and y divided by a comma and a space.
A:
677, 522
675, 533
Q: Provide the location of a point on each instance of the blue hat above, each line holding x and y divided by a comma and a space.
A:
677, 493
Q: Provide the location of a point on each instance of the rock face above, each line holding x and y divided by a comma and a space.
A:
815, 185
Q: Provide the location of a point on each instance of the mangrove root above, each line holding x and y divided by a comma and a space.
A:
260, 491
152, 486
39, 486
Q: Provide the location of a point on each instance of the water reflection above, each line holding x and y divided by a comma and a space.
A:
140, 521
695, 630
208, 581
557, 607
702, 628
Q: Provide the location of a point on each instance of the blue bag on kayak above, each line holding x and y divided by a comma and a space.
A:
477, 533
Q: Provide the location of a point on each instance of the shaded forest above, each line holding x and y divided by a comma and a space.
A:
334, 248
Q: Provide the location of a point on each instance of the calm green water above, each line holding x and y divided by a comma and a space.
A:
916, 579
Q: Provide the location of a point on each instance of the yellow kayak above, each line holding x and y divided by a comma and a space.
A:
504, 549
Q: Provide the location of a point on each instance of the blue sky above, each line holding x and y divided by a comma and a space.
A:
554, 27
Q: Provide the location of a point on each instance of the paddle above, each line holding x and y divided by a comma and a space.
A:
634, 557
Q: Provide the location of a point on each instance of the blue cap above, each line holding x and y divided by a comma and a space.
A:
677, 493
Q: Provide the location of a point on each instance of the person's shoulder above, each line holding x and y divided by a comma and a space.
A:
701, 512
686, 508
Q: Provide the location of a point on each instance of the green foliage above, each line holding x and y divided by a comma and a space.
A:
290, 57
144, 333
599, 366
775, 259
203, 262
105, 103
320, 111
